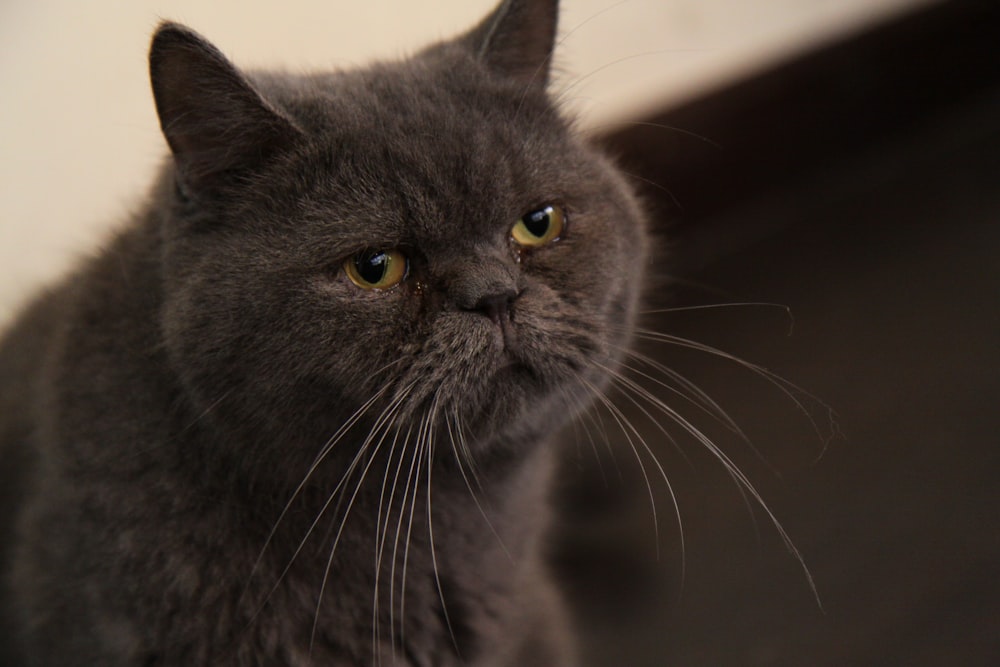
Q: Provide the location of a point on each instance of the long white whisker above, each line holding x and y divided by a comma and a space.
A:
475, 499
730, 466
421, 450
546, 63
622, 422
689, 391
710, 407
685, 389
790, 389
714, 306
581, 422
597, 453
399, 525
595, 418
564, 90
379, 542
617, 125
618, 378
653, 184
463, 446
430, 532
663, 474
697, 397
381, 425
569, 33
327, 447
388, 515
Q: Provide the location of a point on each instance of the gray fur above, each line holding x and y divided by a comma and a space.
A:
167, 400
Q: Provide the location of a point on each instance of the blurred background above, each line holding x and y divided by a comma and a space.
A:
835, 162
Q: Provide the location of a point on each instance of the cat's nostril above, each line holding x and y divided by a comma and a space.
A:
497, 307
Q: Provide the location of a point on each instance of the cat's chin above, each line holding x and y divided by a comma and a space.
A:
518, 404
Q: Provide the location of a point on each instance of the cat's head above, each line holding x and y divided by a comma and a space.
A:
425, 240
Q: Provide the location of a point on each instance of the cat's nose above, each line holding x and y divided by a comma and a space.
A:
497, 306
483, 285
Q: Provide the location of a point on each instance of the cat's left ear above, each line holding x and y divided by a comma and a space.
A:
517, 40
216, 123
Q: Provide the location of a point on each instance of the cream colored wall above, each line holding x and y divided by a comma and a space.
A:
79, 139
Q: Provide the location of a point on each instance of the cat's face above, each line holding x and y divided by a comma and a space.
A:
431, 240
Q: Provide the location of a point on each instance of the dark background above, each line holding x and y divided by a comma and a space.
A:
860, 187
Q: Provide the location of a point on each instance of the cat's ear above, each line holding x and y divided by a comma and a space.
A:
214, 121
517, 39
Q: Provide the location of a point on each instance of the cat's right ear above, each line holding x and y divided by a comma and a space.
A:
517, 39
216, 124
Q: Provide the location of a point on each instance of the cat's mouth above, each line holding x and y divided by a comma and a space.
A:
495, 376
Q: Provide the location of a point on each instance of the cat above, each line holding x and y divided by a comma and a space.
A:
301, 409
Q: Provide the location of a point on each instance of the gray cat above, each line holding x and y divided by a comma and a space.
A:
300, 410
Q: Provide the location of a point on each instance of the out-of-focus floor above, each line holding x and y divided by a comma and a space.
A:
860, 187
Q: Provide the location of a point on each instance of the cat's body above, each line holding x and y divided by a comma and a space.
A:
234, 451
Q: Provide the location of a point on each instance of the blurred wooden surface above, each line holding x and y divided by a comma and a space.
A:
860, 187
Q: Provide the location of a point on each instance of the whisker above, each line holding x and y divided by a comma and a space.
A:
582, 424
595, 418
379, 543
475, 499
600, 129
208, 410
386, 418
700, 399
622, 421
430, 533
715, 306
569, 33
617, 379
421, 451
399, 526
735, 304
547, 61
335, 493
663, 474
689, 391
790, 389
618, 61
334, 439
653, 184
466, 452
733, 470
385, 531
592, 415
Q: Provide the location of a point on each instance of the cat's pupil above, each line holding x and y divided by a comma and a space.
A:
372, 265
538, 221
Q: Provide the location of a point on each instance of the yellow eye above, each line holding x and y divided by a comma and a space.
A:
377, 269
539, 227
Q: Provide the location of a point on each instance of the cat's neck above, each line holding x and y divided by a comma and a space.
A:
404, 548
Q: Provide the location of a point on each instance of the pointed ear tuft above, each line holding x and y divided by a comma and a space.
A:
517, 39
214, 121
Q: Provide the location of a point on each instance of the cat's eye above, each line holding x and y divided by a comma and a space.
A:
539, 227
377, 269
